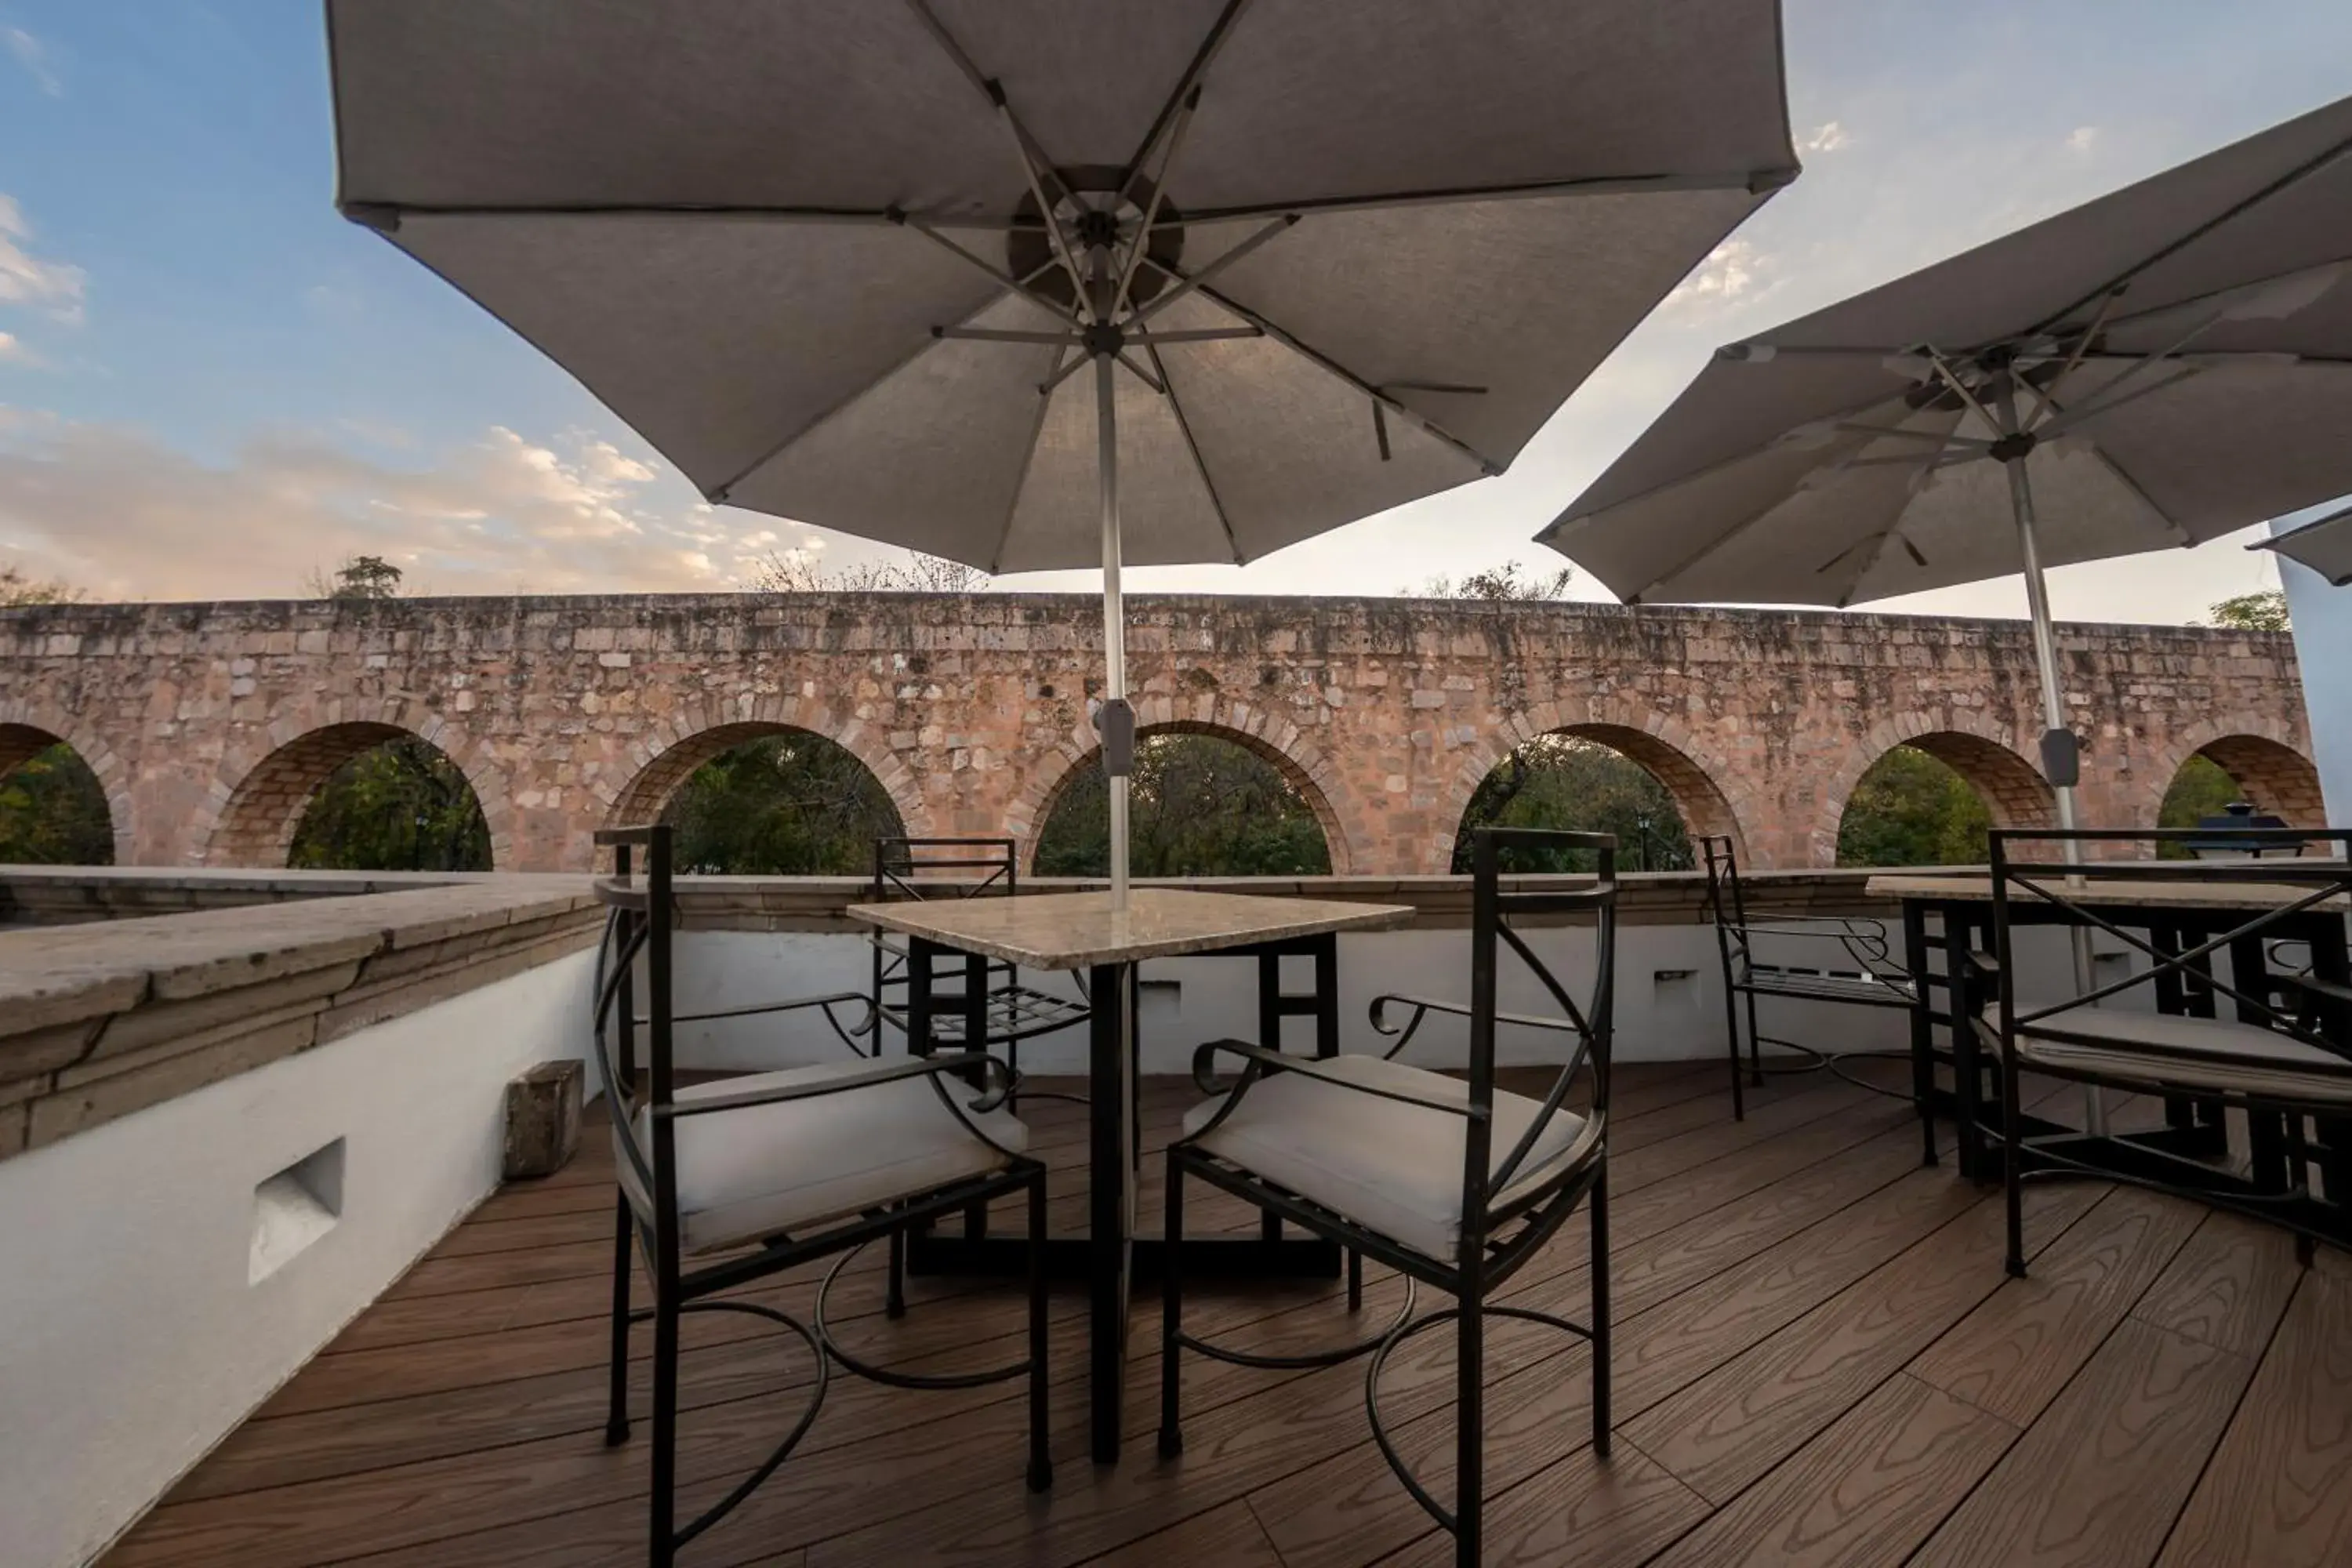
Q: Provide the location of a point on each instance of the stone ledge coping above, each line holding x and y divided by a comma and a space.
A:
97, 1020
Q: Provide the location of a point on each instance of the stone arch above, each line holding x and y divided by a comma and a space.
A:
2264, 758
665, 756
1713, 797
256, 805
1267, 735
1984, 755
28, 728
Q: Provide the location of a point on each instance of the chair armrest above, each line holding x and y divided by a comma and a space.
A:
787, 1005
1423, 1005
911, 1066
1266, 1060
2314, 985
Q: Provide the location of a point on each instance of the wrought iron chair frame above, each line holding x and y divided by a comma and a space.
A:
899, 860
2058, 883
1883, 981
1497, 1238
639, 929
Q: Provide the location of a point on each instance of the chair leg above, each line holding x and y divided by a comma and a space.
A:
894, 1299
1731, 1031
1470, 1421
1355, 1280
1172, 1310
1599, 1204
616, 1418
2012, 1163
665, 1465
1041, 1462
1755, 1047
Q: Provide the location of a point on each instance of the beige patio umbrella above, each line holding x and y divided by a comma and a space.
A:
1049, 283
2161, 366
2324, 544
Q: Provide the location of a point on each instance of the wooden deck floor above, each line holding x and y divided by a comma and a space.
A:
1818, 1361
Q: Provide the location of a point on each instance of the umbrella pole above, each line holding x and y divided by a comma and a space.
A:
1116, 722
2053, 714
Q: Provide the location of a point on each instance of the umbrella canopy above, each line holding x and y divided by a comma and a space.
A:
2324, 546
834, 259
2179, 358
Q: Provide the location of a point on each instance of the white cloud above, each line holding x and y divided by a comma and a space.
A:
1828, 137
31, 55
13, 351
1731, 275
2081, 138
116, 512
26, 279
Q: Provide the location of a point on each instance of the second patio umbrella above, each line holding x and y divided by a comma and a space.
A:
1041, 283
2158, 367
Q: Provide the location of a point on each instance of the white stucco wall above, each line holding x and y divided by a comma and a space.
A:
131, 1338
1669, 997
2323, 647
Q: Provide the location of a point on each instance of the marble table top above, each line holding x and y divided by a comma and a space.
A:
2152, 893
1075, 931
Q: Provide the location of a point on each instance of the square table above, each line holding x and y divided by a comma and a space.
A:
2178, 916
1085, 932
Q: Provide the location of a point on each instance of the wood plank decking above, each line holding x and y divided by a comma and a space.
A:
1818, 1361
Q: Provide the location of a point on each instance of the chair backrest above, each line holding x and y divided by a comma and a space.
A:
1727, 903
1494, 909
638, 928
943, 868
2254, 903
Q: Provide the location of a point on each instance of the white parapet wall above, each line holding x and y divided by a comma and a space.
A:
169, 1268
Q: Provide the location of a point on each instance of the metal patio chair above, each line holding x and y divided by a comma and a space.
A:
1858, 967
726, 1182
1007, 1012
1449, 1180
2288, 1068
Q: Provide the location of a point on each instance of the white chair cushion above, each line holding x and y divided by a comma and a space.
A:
1387, 1165
758, 1170
2161, 1049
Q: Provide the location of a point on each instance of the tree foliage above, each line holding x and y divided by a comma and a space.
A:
18, 588
1566, 782
1911, 809
359, 577
1508, 584
792, 804
1199, 805
801, 570
398, 806
2262, 610
53, 812
2200, 789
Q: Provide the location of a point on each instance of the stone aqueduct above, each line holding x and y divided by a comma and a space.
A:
210, 725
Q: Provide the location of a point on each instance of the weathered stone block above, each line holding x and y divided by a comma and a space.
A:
543, 1120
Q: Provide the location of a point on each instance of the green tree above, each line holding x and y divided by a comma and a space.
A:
1912, 810
398, 806
1569, 783
793, 804
53, 812
2200, 789
359, 577
2262, 610
1199, 805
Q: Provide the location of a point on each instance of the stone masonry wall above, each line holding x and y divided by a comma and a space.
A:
209, 725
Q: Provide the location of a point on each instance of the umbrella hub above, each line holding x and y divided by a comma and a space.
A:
1096, 206
1103, 339
2012, 447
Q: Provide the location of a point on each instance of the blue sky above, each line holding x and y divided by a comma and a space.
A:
210, 385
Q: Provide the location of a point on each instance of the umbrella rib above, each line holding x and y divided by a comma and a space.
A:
1214, 41
1755, 181
2068, 418
2299, 173
1486, 464
386, 216
1186, 283
1018, 285
2180, 535
1561, 525
1184, 428
1142, 241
